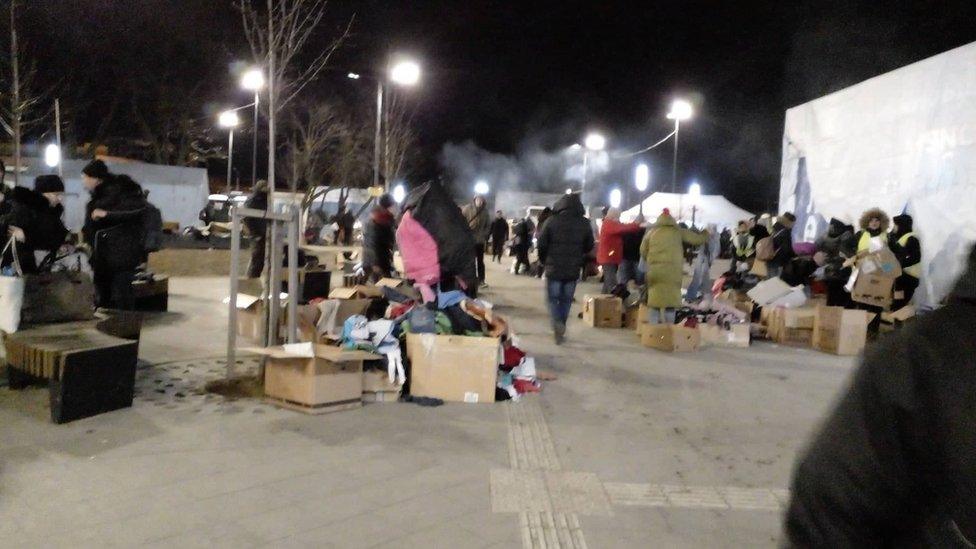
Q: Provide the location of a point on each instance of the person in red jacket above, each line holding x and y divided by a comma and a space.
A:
610, 251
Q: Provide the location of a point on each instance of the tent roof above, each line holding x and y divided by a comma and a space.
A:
711, 208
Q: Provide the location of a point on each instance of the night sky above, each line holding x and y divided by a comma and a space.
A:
509, 75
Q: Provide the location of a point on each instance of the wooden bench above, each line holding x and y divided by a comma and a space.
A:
89, 366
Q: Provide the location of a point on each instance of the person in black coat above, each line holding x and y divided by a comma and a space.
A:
837, 245
499, 234
757, 229
33, 219
257, 228
114, 231
893, 465
565, 242
782, 243
379, 239
908, 249
522, 243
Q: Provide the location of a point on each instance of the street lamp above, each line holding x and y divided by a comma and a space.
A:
642, 177
253, 80
593, 142
481, 187
403, 73
229, 120
615, 198
680, 110
399, 194
52, 155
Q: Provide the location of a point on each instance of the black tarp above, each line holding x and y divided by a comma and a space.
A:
440, 216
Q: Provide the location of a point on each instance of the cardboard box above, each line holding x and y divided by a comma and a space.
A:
882, 263
603, 311
453, 368
795, 337
736, 336
670, 338
841, 331
377, 387
801, 317
399, 285
642, 314
631, 317
359, 291
873, 289
314, 378
314, 282
250, 317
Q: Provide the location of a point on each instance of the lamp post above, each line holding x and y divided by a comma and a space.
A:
253, 80
593, 142
404, 73
680, 110
642, 177
229, 120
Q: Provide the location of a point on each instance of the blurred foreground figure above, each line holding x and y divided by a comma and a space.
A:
895, 463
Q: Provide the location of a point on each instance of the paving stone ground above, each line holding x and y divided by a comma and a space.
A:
628, 448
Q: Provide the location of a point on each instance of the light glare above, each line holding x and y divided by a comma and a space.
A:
642, 177
52, 155
253, 80
406, 73
229, 119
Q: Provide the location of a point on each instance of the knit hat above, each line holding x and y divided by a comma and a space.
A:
49, 184
386, 201
96, 168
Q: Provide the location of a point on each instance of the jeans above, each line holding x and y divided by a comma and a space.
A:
700, 282
628, 271
654, 316
609, 277
559, 294
479, 255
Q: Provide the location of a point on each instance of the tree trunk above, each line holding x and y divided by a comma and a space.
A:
15, 92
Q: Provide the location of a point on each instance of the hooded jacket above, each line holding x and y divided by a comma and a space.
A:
117, 239
911, 252
837, 244
42, 225
565, 240
866, 218
663, 251
895, 463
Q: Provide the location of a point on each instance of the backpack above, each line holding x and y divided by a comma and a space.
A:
766, 248
152, 227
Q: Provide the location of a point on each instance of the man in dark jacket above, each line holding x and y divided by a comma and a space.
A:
114, 231
499, 234
257, 228
782, 243
521, 243
908, 250
893, 466
379, 238
476, 214
564, 244
34, 220
837, 245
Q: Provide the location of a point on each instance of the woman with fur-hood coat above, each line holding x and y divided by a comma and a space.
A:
874, 223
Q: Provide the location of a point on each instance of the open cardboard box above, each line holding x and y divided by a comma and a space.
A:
314, 378
603, 311
841, 331
670, 338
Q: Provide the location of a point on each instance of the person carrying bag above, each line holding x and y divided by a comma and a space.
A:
11, 291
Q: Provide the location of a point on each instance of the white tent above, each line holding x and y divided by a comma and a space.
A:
902, 141
708, 208
179, 192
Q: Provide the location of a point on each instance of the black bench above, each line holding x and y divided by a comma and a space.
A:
89, 366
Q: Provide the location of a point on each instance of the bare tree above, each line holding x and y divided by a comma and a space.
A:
21, 107
398, 139
294, 23
315, 131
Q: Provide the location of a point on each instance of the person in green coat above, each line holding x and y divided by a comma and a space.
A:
662, 252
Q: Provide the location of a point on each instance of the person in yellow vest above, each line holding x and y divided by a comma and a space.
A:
874, 223
743, 247
908, 250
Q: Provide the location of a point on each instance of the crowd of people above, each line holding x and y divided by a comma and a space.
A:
118, 219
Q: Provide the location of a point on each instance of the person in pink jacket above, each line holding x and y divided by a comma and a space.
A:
610, 251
